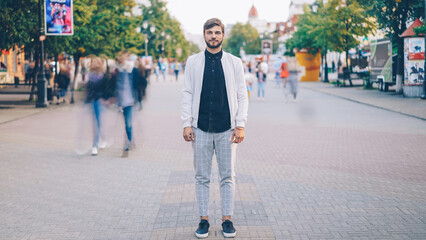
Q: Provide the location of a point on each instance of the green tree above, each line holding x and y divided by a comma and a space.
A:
193, 48
156, 13
242, 36
350, 21
304, 37
420, 30
18, 22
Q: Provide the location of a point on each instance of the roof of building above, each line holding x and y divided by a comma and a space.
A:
253, 12
410, 30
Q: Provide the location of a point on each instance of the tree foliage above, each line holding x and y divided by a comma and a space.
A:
156, 13
242, 35
420, 30
18, 22
304, 37
335, 26
101, 27
392, 16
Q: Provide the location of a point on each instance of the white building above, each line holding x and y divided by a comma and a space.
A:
296, 7
261, 25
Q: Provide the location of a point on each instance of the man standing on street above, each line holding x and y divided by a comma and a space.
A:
214, 113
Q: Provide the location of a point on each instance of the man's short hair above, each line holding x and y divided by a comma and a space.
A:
213, 22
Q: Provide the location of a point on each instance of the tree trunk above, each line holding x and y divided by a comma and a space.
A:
400, 67
400, 57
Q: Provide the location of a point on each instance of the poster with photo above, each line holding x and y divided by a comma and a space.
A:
415, 72
59, 17
406, 59
416, 49
266, 47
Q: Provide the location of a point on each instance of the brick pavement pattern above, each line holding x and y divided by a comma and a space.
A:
320, 168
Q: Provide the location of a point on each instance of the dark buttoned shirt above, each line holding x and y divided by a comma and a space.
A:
214, 115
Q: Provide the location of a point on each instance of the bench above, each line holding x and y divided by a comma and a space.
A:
18, 92
347, 76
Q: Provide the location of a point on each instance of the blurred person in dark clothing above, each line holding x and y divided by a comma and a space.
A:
62, 81
140, 81
176, 67
125, 94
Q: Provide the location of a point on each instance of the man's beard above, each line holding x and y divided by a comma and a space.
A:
213, 46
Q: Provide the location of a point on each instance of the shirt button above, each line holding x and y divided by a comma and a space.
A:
211, 91
211, 102
212, 70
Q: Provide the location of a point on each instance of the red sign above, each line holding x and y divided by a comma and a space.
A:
42, 38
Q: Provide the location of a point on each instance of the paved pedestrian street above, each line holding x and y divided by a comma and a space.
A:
320, 168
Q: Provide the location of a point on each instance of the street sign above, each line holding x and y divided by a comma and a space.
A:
42, 38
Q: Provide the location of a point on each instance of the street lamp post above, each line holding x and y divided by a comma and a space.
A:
164, 38
151, 29
41, 79
164, 44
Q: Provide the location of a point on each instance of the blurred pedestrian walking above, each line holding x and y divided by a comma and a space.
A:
125, 95
214, 113
27, 71
176, 68
140, 81
62, 81
283, 70
164, 65
278, 70
147, 63
292, 79
95, 90
157, 69
261, 77
250, 78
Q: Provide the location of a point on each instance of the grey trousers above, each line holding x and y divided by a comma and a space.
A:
204, 146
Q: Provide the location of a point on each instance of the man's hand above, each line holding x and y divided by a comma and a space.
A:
188, 134
237, 135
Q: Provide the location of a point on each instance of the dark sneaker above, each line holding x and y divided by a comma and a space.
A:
203, 229
228, 229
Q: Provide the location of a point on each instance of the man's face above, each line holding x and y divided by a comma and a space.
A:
214, 37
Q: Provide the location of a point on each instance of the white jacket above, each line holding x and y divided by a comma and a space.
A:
235, 88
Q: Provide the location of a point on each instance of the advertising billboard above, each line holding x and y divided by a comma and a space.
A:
59, 17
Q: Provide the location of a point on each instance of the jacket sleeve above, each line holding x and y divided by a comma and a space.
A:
242, 97
187, 96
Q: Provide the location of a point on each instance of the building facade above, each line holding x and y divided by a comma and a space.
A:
12, 63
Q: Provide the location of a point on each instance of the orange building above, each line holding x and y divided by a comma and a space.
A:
12, 63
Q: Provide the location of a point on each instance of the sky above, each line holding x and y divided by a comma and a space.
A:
193, 13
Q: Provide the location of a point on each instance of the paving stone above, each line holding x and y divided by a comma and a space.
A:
322, 168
